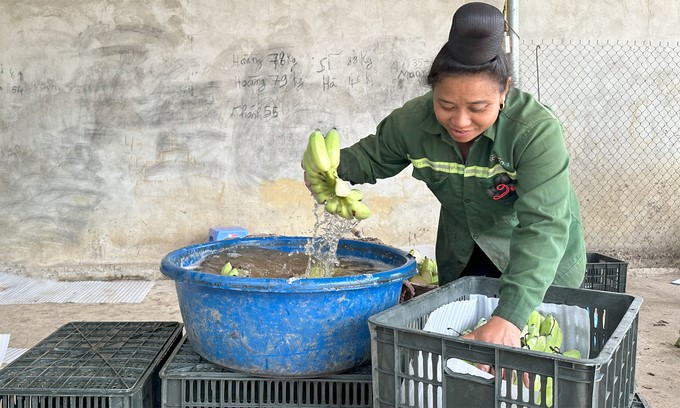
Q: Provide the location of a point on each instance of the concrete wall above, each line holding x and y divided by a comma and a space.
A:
129, 128
635, 20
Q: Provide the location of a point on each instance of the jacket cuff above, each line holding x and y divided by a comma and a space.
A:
513, 307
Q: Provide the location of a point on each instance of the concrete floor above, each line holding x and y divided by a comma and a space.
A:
658, 360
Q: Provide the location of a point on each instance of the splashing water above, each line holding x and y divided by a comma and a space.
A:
322, 247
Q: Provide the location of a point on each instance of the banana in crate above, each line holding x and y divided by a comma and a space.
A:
542, 334
568, 328
320, 162
428, 273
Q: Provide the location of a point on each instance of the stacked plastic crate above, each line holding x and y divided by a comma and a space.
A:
91, 364
190, 381
605, 273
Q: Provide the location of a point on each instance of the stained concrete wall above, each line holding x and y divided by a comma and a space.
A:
129, 128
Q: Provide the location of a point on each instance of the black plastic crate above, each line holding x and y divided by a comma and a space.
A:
404, 355
605, 273
190, 381
640, 402
91, 365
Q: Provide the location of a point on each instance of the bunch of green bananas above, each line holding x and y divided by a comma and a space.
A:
228, 270
320, 163
428, 273
543, 333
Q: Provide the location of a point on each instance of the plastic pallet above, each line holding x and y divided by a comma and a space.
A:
91, 364
606, 378
605, 273
190, 381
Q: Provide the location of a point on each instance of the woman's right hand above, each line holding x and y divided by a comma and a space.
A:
304, 176
497, 331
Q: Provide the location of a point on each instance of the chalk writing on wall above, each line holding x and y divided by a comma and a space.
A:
11, 81
263, 78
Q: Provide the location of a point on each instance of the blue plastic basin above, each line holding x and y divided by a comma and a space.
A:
284, 327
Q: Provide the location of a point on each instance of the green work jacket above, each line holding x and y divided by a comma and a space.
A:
512, 196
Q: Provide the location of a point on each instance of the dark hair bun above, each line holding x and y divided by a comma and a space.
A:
476, 34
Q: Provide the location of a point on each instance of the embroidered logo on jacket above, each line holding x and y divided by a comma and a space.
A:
504, 187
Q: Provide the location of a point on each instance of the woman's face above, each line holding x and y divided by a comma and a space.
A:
467, 105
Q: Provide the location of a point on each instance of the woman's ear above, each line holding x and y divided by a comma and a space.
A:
507, 88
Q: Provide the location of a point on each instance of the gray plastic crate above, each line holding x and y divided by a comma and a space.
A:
91, 365
640, 402
190, 381
605, 273
605, 379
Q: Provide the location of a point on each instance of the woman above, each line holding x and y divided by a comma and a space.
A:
496, 160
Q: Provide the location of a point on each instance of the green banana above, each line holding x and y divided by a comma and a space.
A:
425, 270
229, 270
481, 322
541, 344
332, 205
316, 271
524, 334
355, 195
535, 319
359, 210
317, 151
226, 269
548, 325
548, 390
554, 340
318, 182
331, 177
314, 177
531, 328
333, 147
558, 337
420, 281
530, 343
321, 187
323, 196
434, 271
308, 165
533, 331
417, 256
573, 353
428, 270
344, 211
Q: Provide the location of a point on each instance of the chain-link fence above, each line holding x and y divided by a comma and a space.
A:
620, 104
